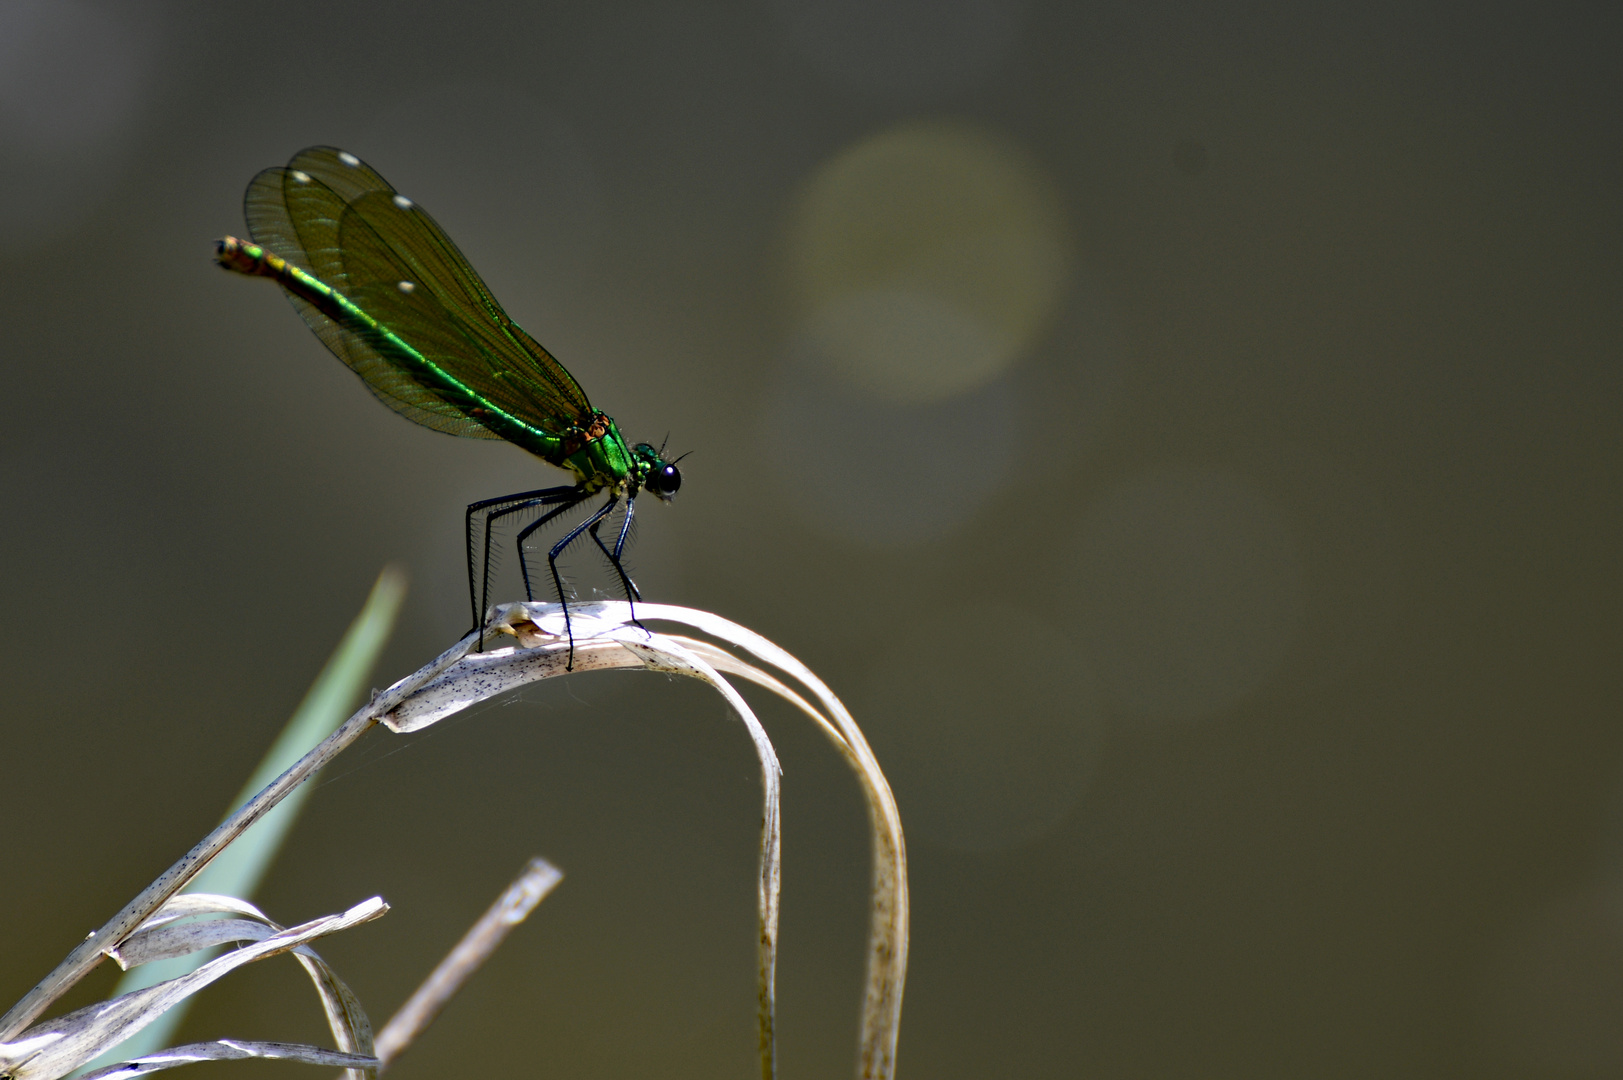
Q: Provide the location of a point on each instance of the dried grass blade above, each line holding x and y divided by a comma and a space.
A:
604, 639
350, 1026
88, 953
481, 676
888, 919
228, 1050
171, 940
532, 885
56, 1048
663, 653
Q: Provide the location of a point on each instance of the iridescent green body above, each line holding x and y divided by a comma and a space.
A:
595, 452
387, 291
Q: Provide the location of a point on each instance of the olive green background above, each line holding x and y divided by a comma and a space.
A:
1246, 659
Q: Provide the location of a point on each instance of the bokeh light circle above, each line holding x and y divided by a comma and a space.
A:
925, 259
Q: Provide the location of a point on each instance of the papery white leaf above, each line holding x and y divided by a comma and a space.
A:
169, 941
188, 905
84, 1034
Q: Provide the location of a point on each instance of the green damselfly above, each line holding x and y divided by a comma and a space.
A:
387, 291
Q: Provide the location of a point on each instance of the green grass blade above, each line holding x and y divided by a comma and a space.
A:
241, 867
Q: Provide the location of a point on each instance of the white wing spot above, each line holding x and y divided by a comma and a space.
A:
301, 177
406, 286
348, 158
402, 202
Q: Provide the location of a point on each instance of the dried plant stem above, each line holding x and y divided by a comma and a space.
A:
603, 637
670, 656
228, 1050
538, 879
89, 952
888, 918
53, 1049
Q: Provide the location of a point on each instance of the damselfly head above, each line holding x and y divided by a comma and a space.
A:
662, 477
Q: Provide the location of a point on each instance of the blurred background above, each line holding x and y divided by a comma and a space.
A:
1187, 436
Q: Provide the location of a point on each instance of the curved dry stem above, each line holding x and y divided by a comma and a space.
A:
604, 638
601, 643
888, 918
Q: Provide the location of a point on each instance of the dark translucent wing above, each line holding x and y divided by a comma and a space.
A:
330, 214
385, 243
530, 381
271, 222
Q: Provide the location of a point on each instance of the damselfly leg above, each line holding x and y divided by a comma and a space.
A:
552, 559
493, 510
